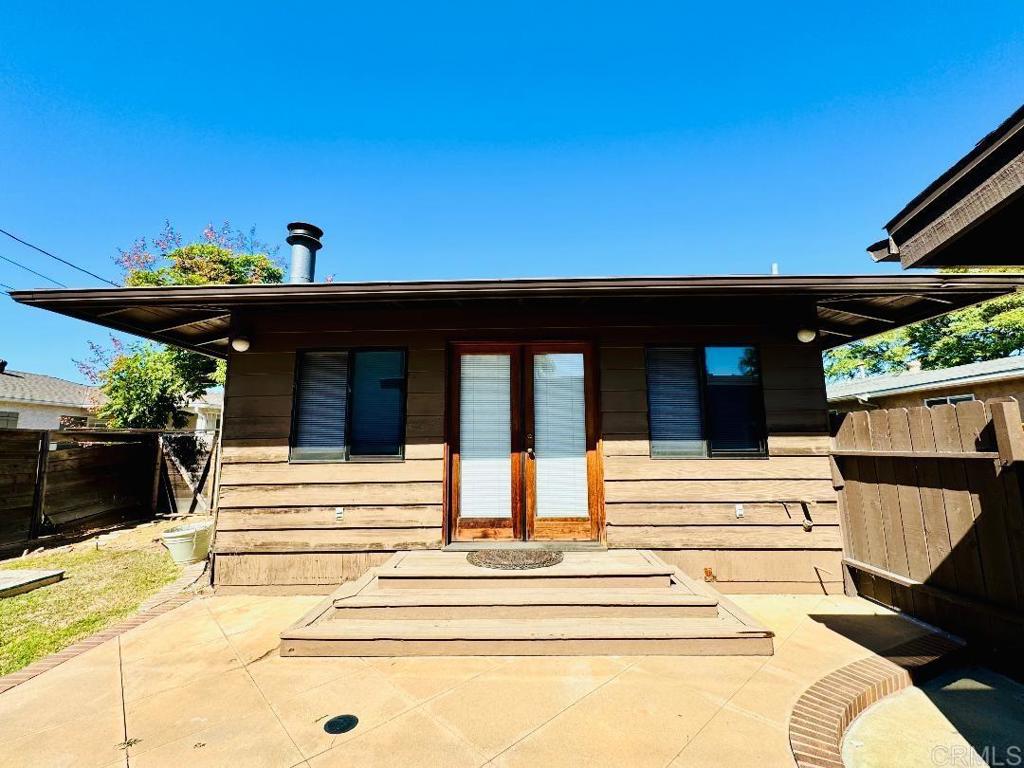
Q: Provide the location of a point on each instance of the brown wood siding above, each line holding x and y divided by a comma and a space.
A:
277, 522
688, 506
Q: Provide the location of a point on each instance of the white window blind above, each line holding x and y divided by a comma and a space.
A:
485, 436
321, 409
560, 435
674, 402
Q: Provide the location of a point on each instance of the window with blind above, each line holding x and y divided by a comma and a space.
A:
349, 405
705, 401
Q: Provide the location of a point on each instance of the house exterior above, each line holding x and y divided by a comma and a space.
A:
686, 416
34, 401
203, 413
988, 380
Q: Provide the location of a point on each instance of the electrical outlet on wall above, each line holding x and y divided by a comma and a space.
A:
739, 511
339, 514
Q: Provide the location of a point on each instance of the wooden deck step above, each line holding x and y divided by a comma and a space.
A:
593, 603
499, 603
723, 635
465, 576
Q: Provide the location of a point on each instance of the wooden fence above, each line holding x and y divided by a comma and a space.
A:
932, 514
56, 481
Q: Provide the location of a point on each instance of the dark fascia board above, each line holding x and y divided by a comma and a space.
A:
223, 296
1006, 129
101, 305
978, 185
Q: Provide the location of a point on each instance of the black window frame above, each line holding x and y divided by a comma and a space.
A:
346, 455
701, 349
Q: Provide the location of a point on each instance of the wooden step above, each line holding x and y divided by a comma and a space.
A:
499, 603
555, 636
464, 576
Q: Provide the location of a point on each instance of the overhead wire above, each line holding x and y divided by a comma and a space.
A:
58, 258
29, 269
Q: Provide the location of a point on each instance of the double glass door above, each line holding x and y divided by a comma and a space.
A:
524, 461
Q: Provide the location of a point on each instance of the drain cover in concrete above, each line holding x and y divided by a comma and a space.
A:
25, 580
513, 559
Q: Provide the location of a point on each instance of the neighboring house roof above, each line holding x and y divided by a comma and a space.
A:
847, 307
213, 400
24, 387
972, 373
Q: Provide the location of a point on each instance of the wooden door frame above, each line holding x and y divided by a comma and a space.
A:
452, 524
565, 528
595, 464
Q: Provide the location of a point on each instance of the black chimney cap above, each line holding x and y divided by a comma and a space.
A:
299, 231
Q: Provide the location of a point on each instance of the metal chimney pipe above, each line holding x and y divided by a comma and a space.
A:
305, 242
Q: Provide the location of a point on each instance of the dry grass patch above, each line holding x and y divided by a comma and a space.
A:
105, 580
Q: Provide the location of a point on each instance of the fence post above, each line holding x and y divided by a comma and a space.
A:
158, 462
1009, 432
43, 461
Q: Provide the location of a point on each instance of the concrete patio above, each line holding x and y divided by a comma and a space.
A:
203, 685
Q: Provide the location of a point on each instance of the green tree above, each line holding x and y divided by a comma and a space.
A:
146, 385
986, 331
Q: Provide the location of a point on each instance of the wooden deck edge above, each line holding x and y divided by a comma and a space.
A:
736, 646
406, 631
824, 711
346, 589
701, 588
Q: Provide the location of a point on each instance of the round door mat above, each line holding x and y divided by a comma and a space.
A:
513, 559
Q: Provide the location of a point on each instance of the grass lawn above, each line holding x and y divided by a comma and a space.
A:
104, 580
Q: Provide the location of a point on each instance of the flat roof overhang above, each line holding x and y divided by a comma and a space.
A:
199, 318
971, 215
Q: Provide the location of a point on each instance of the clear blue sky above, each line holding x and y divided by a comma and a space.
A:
448, 140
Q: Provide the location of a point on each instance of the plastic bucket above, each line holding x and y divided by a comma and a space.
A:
188, 543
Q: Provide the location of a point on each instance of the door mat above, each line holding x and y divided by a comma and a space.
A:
513, 559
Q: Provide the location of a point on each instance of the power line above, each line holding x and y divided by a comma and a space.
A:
8, 287
58, 258
29, 269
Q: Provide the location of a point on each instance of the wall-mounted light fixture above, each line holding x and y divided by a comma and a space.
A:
807, 335
240, 344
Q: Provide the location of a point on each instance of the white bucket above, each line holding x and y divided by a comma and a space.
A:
188, 543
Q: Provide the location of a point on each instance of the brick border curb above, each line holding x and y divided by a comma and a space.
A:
824, 711
174, 594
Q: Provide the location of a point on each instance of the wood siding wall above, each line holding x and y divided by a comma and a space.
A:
286, 514
686, 508
277, 521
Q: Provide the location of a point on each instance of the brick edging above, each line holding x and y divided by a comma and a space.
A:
824, 711
174, 594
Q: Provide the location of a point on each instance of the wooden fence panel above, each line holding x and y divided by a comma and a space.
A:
19, 460
933, 513
96, 474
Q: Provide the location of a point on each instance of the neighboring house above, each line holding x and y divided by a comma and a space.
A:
686, 415
204, 413
975, 381
35, 401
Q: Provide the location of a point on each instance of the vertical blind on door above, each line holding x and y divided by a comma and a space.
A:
560, 435
485, 436
349, 404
